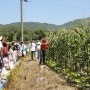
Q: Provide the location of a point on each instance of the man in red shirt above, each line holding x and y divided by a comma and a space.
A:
44, 46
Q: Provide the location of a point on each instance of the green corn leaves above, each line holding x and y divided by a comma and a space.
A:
70, 49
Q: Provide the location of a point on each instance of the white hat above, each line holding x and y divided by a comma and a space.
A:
0, 37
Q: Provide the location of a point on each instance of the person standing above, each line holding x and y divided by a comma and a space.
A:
10, 56
44, 46
5, 47
21, 49
32, 49
38, 49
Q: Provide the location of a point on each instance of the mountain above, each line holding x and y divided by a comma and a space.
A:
47, 27
72, 24
35, 25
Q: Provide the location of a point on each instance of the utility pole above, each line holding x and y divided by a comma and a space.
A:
21, 16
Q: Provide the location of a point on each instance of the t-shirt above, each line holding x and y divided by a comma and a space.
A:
10, 54
38, 45
44, 46
32, 46
5, 61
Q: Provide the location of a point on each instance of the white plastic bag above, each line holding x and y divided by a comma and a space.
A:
4, 72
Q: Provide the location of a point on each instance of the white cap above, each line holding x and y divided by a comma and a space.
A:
0, 37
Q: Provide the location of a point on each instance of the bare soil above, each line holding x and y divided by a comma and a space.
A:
36, 77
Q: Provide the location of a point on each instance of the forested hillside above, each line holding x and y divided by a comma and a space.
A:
46, 26
36, 30
73, 24
34, 26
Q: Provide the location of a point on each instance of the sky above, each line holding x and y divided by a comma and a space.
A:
44, 11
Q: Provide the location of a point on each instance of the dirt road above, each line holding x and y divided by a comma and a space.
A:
35, 77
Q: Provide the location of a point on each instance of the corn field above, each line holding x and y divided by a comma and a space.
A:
69, 54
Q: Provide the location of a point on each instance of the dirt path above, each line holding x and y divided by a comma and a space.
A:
35, 77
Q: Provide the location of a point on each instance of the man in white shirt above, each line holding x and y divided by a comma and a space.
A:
38, 48
32, 49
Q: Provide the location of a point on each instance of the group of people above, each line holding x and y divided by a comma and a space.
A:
10, 53
39, 49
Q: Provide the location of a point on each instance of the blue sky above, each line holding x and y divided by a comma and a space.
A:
45, 11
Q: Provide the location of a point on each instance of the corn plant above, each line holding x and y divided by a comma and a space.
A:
70, 50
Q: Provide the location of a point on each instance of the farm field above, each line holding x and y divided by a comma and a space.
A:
32, 76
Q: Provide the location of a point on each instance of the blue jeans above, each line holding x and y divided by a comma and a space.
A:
42, 58
38, 54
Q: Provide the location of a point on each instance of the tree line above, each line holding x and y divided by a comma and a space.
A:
12, 33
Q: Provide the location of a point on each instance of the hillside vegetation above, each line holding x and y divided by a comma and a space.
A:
46, 26
36, 30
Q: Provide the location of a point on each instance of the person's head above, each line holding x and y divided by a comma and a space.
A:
21, 43
44, 40
31, 41
9, 46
